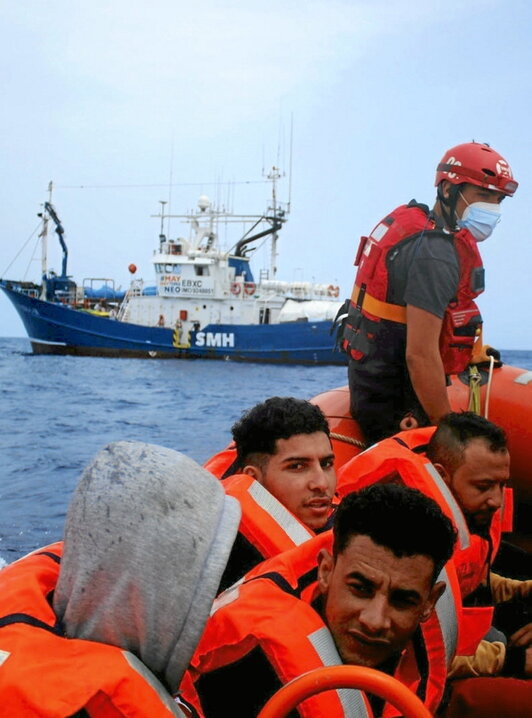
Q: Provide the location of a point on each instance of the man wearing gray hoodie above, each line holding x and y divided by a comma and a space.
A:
104, 624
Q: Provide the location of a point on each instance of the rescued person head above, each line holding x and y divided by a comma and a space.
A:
147, 536
381, 579
284, 444
471, 455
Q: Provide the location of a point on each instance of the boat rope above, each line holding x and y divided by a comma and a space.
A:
488, 387
475, 380
348, 440
21, 250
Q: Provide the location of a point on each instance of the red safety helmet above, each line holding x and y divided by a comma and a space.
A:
477, 164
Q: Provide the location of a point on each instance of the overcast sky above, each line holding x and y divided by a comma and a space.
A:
114, 101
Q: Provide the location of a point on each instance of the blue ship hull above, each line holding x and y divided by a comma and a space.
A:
55, 328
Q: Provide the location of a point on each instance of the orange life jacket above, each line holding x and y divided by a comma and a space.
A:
395, 459
220, 462
272, 609
266, 522
369, 299
45, 674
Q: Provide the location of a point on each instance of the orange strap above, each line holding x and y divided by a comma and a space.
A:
383, 310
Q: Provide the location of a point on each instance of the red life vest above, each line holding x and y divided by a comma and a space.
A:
272, 609
45, 674
266, 523
394, 459
369, 299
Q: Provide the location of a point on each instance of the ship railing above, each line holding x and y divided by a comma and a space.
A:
299, 290
29, 289
135, 290
33, 293
65, 296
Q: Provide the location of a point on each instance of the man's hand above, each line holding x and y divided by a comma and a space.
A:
522, 637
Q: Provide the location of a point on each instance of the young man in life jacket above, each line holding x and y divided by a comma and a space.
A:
103, 625
358, 594
412, 319
464, 464
284, 478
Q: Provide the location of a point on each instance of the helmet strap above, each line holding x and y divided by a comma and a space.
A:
448, 204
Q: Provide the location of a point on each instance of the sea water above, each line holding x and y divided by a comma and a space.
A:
56, 412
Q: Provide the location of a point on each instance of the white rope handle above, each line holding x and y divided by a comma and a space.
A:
488, 387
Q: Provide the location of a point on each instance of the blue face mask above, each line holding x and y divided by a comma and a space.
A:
480, 218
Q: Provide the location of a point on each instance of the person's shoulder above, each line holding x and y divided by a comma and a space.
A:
413, 214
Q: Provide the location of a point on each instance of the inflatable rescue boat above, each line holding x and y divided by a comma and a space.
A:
503, 394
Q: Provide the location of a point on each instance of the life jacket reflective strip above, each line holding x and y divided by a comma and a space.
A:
274, 598
266, 523
46, 674
395, 457
369, 298
353, 702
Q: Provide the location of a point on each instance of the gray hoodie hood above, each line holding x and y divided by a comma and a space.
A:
147, 536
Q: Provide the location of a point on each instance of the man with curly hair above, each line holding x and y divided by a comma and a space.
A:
284, 478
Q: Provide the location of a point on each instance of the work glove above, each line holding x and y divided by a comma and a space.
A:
481, 359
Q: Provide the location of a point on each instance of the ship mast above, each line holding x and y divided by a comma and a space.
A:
274, 176
44, 243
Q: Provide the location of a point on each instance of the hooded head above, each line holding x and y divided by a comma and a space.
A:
147, 536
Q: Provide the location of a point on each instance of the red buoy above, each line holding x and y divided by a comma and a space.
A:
132, 268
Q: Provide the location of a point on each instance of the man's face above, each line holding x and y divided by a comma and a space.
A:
471, 193
374, 601
301, 476
478, 483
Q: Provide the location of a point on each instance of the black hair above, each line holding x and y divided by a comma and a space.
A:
455, 431
276, 418
399, 518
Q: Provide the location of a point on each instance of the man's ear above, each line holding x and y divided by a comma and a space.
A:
253, 471
325, 567
436, 591
442, 471
445, 188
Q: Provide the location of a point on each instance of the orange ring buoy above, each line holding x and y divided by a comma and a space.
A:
236, 288
333, 291
250, 287
344, 676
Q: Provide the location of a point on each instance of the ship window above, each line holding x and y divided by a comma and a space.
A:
201, 271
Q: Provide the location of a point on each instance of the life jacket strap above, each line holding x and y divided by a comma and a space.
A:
383, 310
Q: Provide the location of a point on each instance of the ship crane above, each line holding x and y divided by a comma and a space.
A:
60, 232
